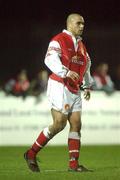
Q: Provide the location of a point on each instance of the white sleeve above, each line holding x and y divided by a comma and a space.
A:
52, 59
88, 80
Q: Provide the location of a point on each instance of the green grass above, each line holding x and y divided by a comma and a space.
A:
105, 160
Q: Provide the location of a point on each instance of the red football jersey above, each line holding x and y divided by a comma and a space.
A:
75, 59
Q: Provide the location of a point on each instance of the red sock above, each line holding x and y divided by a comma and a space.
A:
40, 142
74, 149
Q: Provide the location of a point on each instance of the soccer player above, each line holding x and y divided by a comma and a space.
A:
69, 62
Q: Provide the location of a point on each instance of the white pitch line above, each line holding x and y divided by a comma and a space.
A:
54, 170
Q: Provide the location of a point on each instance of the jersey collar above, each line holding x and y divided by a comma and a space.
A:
69, 33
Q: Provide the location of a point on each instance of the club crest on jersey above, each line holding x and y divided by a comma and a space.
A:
77, 60
67, 107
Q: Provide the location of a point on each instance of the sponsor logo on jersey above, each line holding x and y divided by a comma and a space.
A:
77, 60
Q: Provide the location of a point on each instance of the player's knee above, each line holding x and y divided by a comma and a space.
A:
75, 126
59, 126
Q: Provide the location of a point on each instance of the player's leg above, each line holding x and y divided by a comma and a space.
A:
59, 122
55, 93
74, 143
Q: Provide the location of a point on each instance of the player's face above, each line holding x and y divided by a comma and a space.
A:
77, 25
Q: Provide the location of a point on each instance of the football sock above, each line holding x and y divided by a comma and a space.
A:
74, 149
40, 142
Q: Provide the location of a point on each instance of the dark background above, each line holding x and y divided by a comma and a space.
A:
26, 28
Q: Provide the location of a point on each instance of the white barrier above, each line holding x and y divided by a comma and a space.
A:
21, 120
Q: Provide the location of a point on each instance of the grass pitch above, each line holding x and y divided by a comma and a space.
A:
104, 160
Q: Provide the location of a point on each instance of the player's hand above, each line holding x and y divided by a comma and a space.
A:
73, 75
87, 94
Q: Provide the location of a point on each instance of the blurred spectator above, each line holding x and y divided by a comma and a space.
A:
116, 77
102, 79
9, 86
22, 84
39, 84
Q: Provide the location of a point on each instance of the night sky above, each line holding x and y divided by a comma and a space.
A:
26, 28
